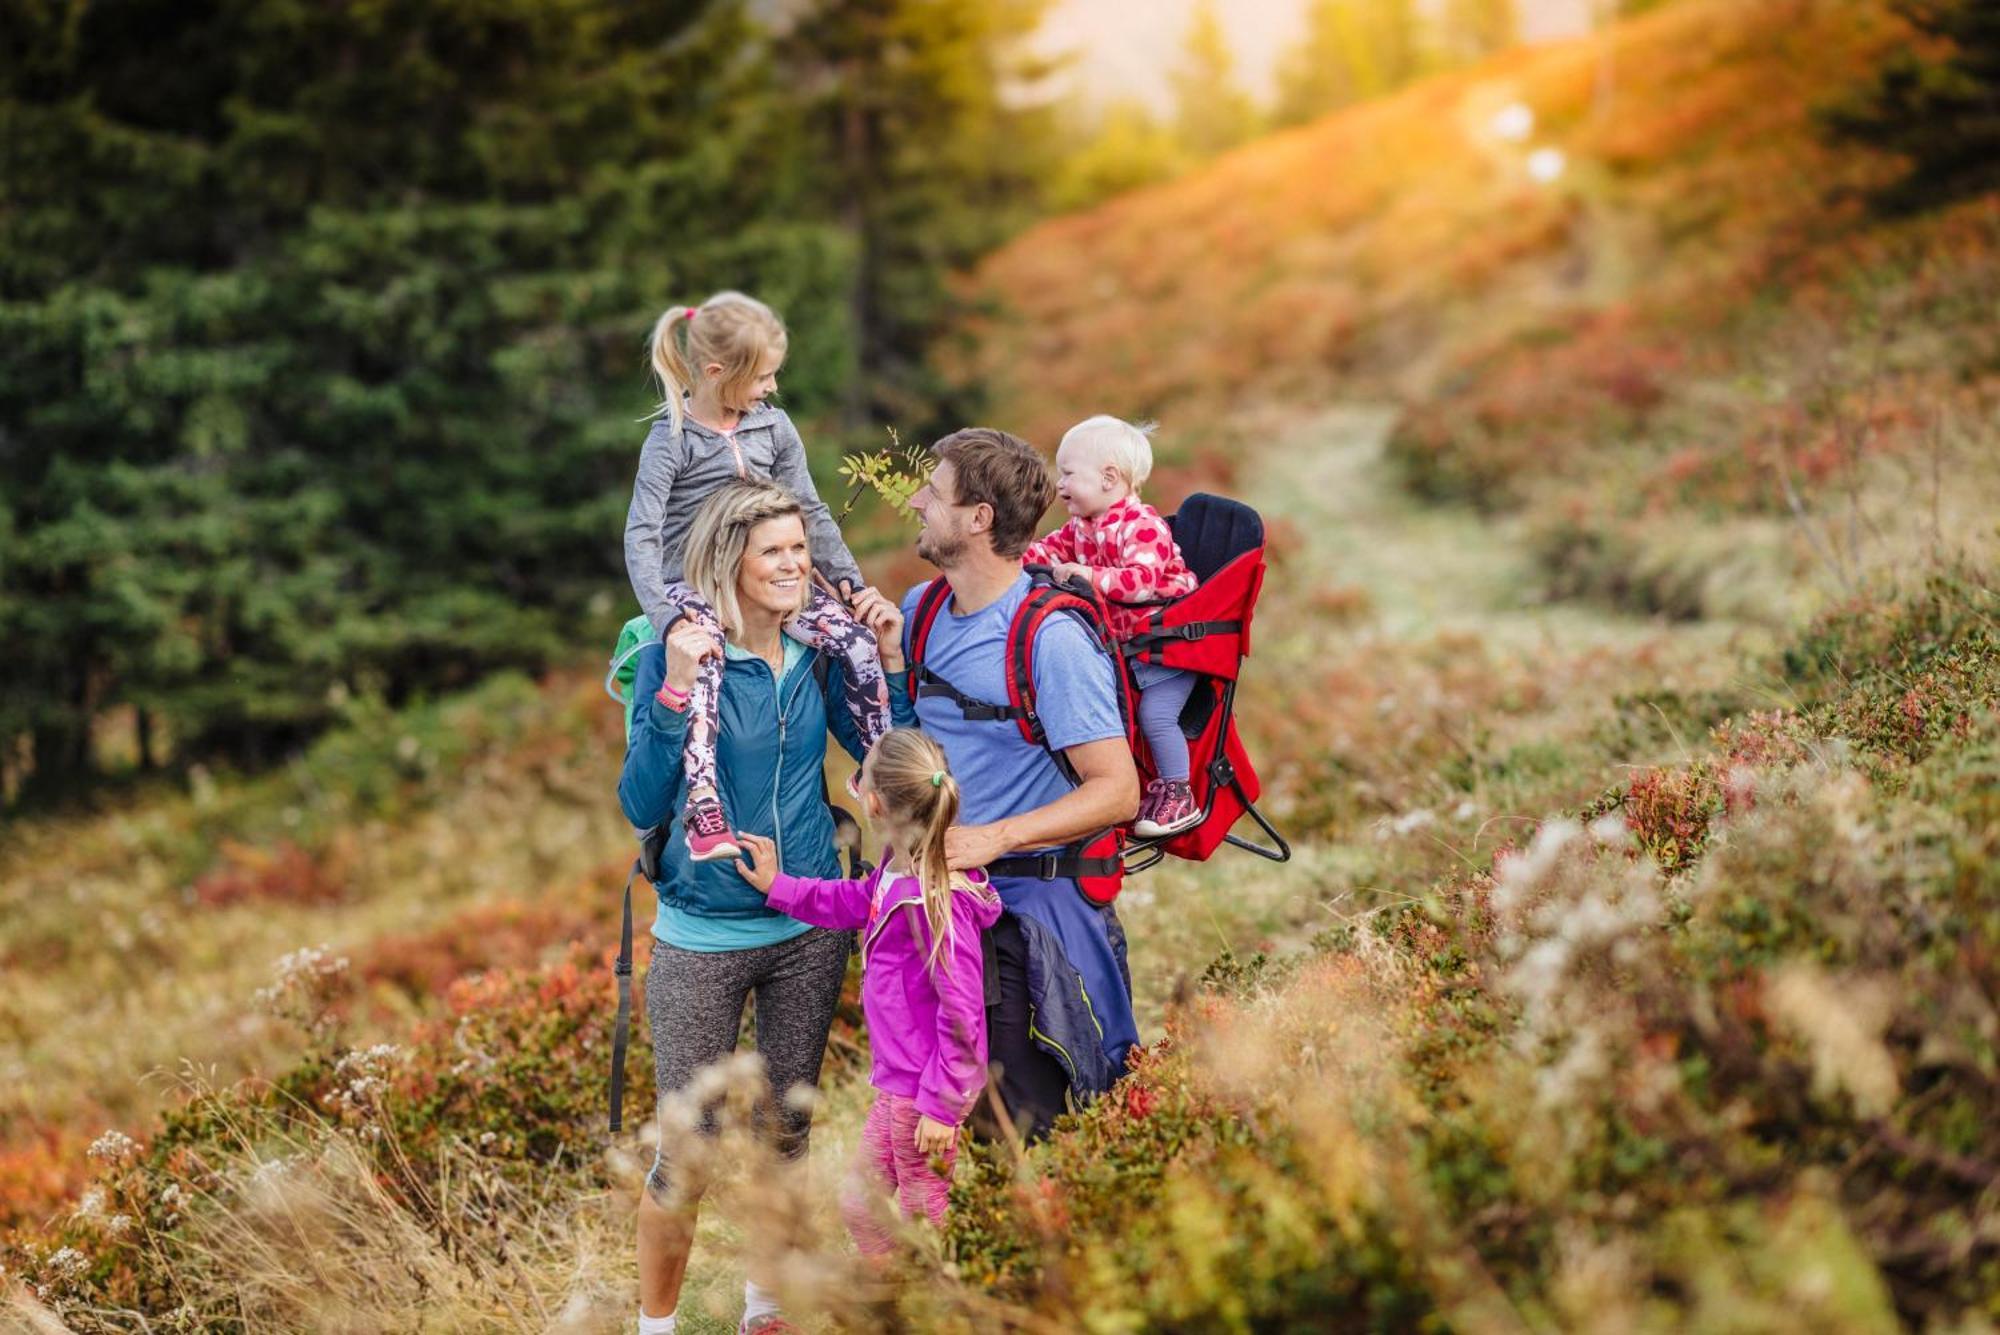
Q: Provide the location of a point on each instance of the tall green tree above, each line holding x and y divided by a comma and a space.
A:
1117, 148
926, 127
1212, 112
1351, 50
1937, 111
322, 330
1471, 30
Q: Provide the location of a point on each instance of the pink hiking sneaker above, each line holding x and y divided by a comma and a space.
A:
771, 1323
1168, 808
709, 838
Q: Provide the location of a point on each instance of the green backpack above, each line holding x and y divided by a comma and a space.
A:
634, 636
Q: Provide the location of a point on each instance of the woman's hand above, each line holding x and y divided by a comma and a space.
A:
687, 645
882, 616
933, 1136
762, 868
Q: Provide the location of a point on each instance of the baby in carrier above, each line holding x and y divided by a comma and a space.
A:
1124, 548
717, 363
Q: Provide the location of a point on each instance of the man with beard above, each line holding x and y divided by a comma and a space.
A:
1060, 1021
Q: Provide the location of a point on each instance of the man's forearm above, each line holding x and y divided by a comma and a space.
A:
1092, 805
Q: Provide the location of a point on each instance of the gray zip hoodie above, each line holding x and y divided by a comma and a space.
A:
679, 469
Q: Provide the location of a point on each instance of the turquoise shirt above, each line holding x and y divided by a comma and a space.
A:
692, 931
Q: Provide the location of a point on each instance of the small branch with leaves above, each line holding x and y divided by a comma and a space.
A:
894, 474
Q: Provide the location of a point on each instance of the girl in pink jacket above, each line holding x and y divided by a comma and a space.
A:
1125, 549
923, 985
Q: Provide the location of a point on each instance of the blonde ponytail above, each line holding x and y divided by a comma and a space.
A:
670, 365
730, 330
908, 772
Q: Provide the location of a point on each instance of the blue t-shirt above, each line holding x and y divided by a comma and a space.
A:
694, 931
999, 772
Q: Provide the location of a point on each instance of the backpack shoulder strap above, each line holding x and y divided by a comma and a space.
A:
917, 633
1045, 600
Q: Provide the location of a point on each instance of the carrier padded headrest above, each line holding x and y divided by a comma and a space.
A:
1213, 531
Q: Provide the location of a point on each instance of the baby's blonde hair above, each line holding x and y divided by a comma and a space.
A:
730, 330
919, 796
1121, 444
719, 535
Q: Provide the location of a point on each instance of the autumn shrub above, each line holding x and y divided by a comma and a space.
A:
1718, 1051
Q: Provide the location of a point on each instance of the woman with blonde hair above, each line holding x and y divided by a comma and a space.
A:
715, 942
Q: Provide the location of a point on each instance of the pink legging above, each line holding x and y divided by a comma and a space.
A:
888, 1165
825, 625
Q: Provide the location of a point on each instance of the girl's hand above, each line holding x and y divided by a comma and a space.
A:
933, 1136
882, 616
762, 868
687, 645
1064, 572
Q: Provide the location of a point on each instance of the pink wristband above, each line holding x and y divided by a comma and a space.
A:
671, 698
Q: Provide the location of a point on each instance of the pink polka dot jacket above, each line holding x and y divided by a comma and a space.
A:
1132, 557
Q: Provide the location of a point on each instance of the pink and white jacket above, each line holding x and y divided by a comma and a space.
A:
1132, 557
926, 1024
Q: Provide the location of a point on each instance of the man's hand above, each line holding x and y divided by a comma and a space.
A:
933, 1136
873, 610
762, 868
969, 846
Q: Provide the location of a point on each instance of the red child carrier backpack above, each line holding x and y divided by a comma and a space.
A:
1207, 632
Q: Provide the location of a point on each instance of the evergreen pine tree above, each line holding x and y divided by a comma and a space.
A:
1940, 115
922, 125
1471, 30
1352, 50
323, 328
1212, 113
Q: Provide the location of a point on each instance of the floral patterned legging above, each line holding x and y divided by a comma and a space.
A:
826, 625
889, 1172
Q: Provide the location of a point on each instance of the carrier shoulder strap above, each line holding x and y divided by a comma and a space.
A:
926, 684
1042, 602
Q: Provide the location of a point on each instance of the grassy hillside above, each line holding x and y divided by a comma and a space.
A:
1657, 360
1627, 676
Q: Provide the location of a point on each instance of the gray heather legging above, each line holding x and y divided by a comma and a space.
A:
694, 1003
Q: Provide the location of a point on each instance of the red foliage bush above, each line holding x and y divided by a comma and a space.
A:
281, 873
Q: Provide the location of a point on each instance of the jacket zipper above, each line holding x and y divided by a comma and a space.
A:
1036, 1034
881, 922
778, 776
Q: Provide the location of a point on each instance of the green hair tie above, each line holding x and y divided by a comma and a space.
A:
937, 778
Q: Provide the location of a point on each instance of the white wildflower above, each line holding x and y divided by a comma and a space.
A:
1841, 1021
1547, 164
90, 1204
1524, 871
66, 1266
1513, 123
365, 1078
1406, 823
112, 1147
